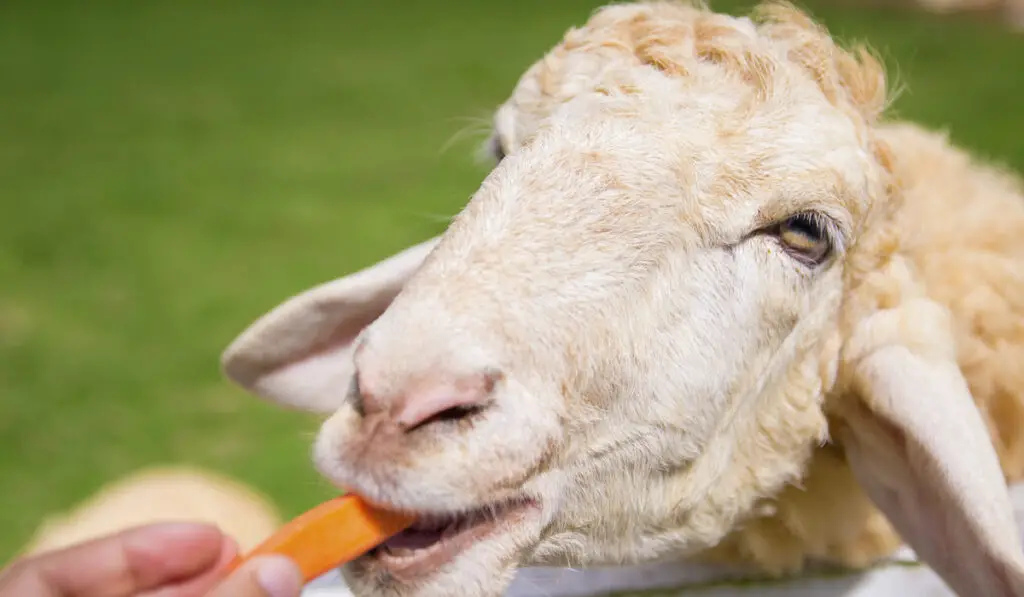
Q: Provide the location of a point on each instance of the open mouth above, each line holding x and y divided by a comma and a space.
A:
435, 539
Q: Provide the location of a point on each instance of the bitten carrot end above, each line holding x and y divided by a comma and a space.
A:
330, 534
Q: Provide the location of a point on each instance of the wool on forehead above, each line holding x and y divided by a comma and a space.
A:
676, 37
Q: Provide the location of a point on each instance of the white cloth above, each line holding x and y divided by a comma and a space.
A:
900, 576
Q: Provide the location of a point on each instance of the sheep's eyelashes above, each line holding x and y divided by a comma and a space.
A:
805, 237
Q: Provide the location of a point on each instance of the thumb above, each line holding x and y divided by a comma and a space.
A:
265, 576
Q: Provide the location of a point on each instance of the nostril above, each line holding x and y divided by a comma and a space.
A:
355, 396
447, 401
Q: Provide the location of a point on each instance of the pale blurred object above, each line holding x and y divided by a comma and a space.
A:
1011, 12
161, 494
952, 6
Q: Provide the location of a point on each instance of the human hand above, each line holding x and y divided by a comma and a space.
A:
160, 560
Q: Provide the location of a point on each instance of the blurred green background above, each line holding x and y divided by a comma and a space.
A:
171, 169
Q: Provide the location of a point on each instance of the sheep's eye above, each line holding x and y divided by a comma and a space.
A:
805, 237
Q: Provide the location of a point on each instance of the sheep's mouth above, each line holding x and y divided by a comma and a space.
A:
434, 540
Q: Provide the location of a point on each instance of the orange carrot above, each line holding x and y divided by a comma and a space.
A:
328, 535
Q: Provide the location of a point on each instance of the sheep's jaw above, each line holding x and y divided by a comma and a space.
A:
435, 540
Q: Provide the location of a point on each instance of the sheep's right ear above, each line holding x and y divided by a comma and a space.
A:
917, 444
300, 354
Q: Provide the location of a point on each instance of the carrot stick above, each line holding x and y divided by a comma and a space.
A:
330, 534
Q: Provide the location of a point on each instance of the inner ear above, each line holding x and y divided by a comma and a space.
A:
300, 353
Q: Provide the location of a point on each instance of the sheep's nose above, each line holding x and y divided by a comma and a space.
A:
438, 397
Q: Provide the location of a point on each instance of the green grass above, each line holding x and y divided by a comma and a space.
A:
171, 169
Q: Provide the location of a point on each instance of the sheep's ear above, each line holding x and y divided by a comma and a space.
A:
300, 354
917, 444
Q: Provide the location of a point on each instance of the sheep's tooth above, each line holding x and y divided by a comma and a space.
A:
401, 552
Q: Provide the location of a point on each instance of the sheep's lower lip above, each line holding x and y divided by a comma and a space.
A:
434, 540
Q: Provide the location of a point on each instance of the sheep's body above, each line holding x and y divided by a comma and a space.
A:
964, 233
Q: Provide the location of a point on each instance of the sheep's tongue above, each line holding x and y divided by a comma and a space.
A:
413, 539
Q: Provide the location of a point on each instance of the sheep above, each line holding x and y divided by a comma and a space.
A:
710, 305
162, 493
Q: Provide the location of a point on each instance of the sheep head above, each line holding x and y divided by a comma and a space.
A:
638, 326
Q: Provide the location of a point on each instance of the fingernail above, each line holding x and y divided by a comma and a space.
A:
279, 576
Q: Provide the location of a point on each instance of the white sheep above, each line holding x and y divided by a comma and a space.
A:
710, 306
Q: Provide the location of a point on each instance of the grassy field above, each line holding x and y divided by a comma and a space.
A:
171, 169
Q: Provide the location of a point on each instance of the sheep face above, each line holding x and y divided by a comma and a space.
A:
622, 342
616, 290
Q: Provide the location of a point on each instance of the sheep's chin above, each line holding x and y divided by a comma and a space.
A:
411, 560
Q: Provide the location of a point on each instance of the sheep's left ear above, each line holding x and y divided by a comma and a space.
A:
917, 443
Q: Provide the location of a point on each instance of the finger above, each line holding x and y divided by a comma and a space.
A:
199, 586
125, 563
265, 576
